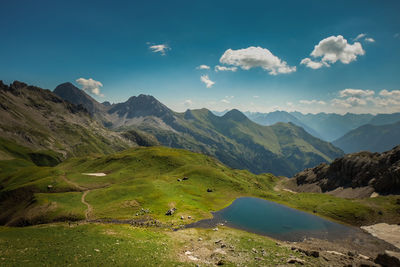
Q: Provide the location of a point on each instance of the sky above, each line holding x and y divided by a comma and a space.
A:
310, 56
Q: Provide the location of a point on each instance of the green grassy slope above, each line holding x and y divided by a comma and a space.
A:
147, 179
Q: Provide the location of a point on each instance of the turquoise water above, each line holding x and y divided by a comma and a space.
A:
278, 221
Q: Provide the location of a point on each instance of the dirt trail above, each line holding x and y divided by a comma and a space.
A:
85, 192
77, 186
89, 207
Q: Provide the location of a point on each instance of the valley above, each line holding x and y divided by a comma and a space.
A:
143, 161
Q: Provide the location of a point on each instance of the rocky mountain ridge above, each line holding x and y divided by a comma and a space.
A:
357, 175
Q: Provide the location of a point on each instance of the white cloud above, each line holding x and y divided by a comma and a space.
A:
356, 93
161, 48
396, 35
370, 40
310, 102
360, 36
223, 68
393, 94
226, 101
333, 49
207, 81
348, 102
90, 86
188, 103
256, 96
312, 64
253, 57
203, 67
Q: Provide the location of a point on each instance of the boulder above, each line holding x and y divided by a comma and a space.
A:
170, 212
209, 190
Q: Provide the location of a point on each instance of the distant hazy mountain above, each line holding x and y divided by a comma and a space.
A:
370, 138
235, 140
331, 126
38, 123
279, 116
382, 119
220, 113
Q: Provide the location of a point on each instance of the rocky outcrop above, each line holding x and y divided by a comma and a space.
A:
388, 259
360, 173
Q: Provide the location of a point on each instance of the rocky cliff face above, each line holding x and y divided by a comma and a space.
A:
362, 173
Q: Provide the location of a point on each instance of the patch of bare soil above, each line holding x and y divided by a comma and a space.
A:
388, 232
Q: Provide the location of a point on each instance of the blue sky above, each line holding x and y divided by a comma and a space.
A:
46, 43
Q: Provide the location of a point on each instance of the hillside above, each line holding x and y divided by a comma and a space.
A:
361, 174
370, 138
37, 122
142, 184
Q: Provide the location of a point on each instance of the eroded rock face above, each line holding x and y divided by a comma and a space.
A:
379, 171
389, 258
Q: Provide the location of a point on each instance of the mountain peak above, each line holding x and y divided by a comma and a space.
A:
235, 115
74, 95
141, 106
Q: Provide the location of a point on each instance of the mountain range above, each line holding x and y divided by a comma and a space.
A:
350, 132
37, 120
282, 149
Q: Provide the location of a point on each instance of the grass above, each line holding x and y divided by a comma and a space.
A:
122, 245
83, 245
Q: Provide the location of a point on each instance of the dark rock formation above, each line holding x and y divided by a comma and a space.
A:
380, 172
